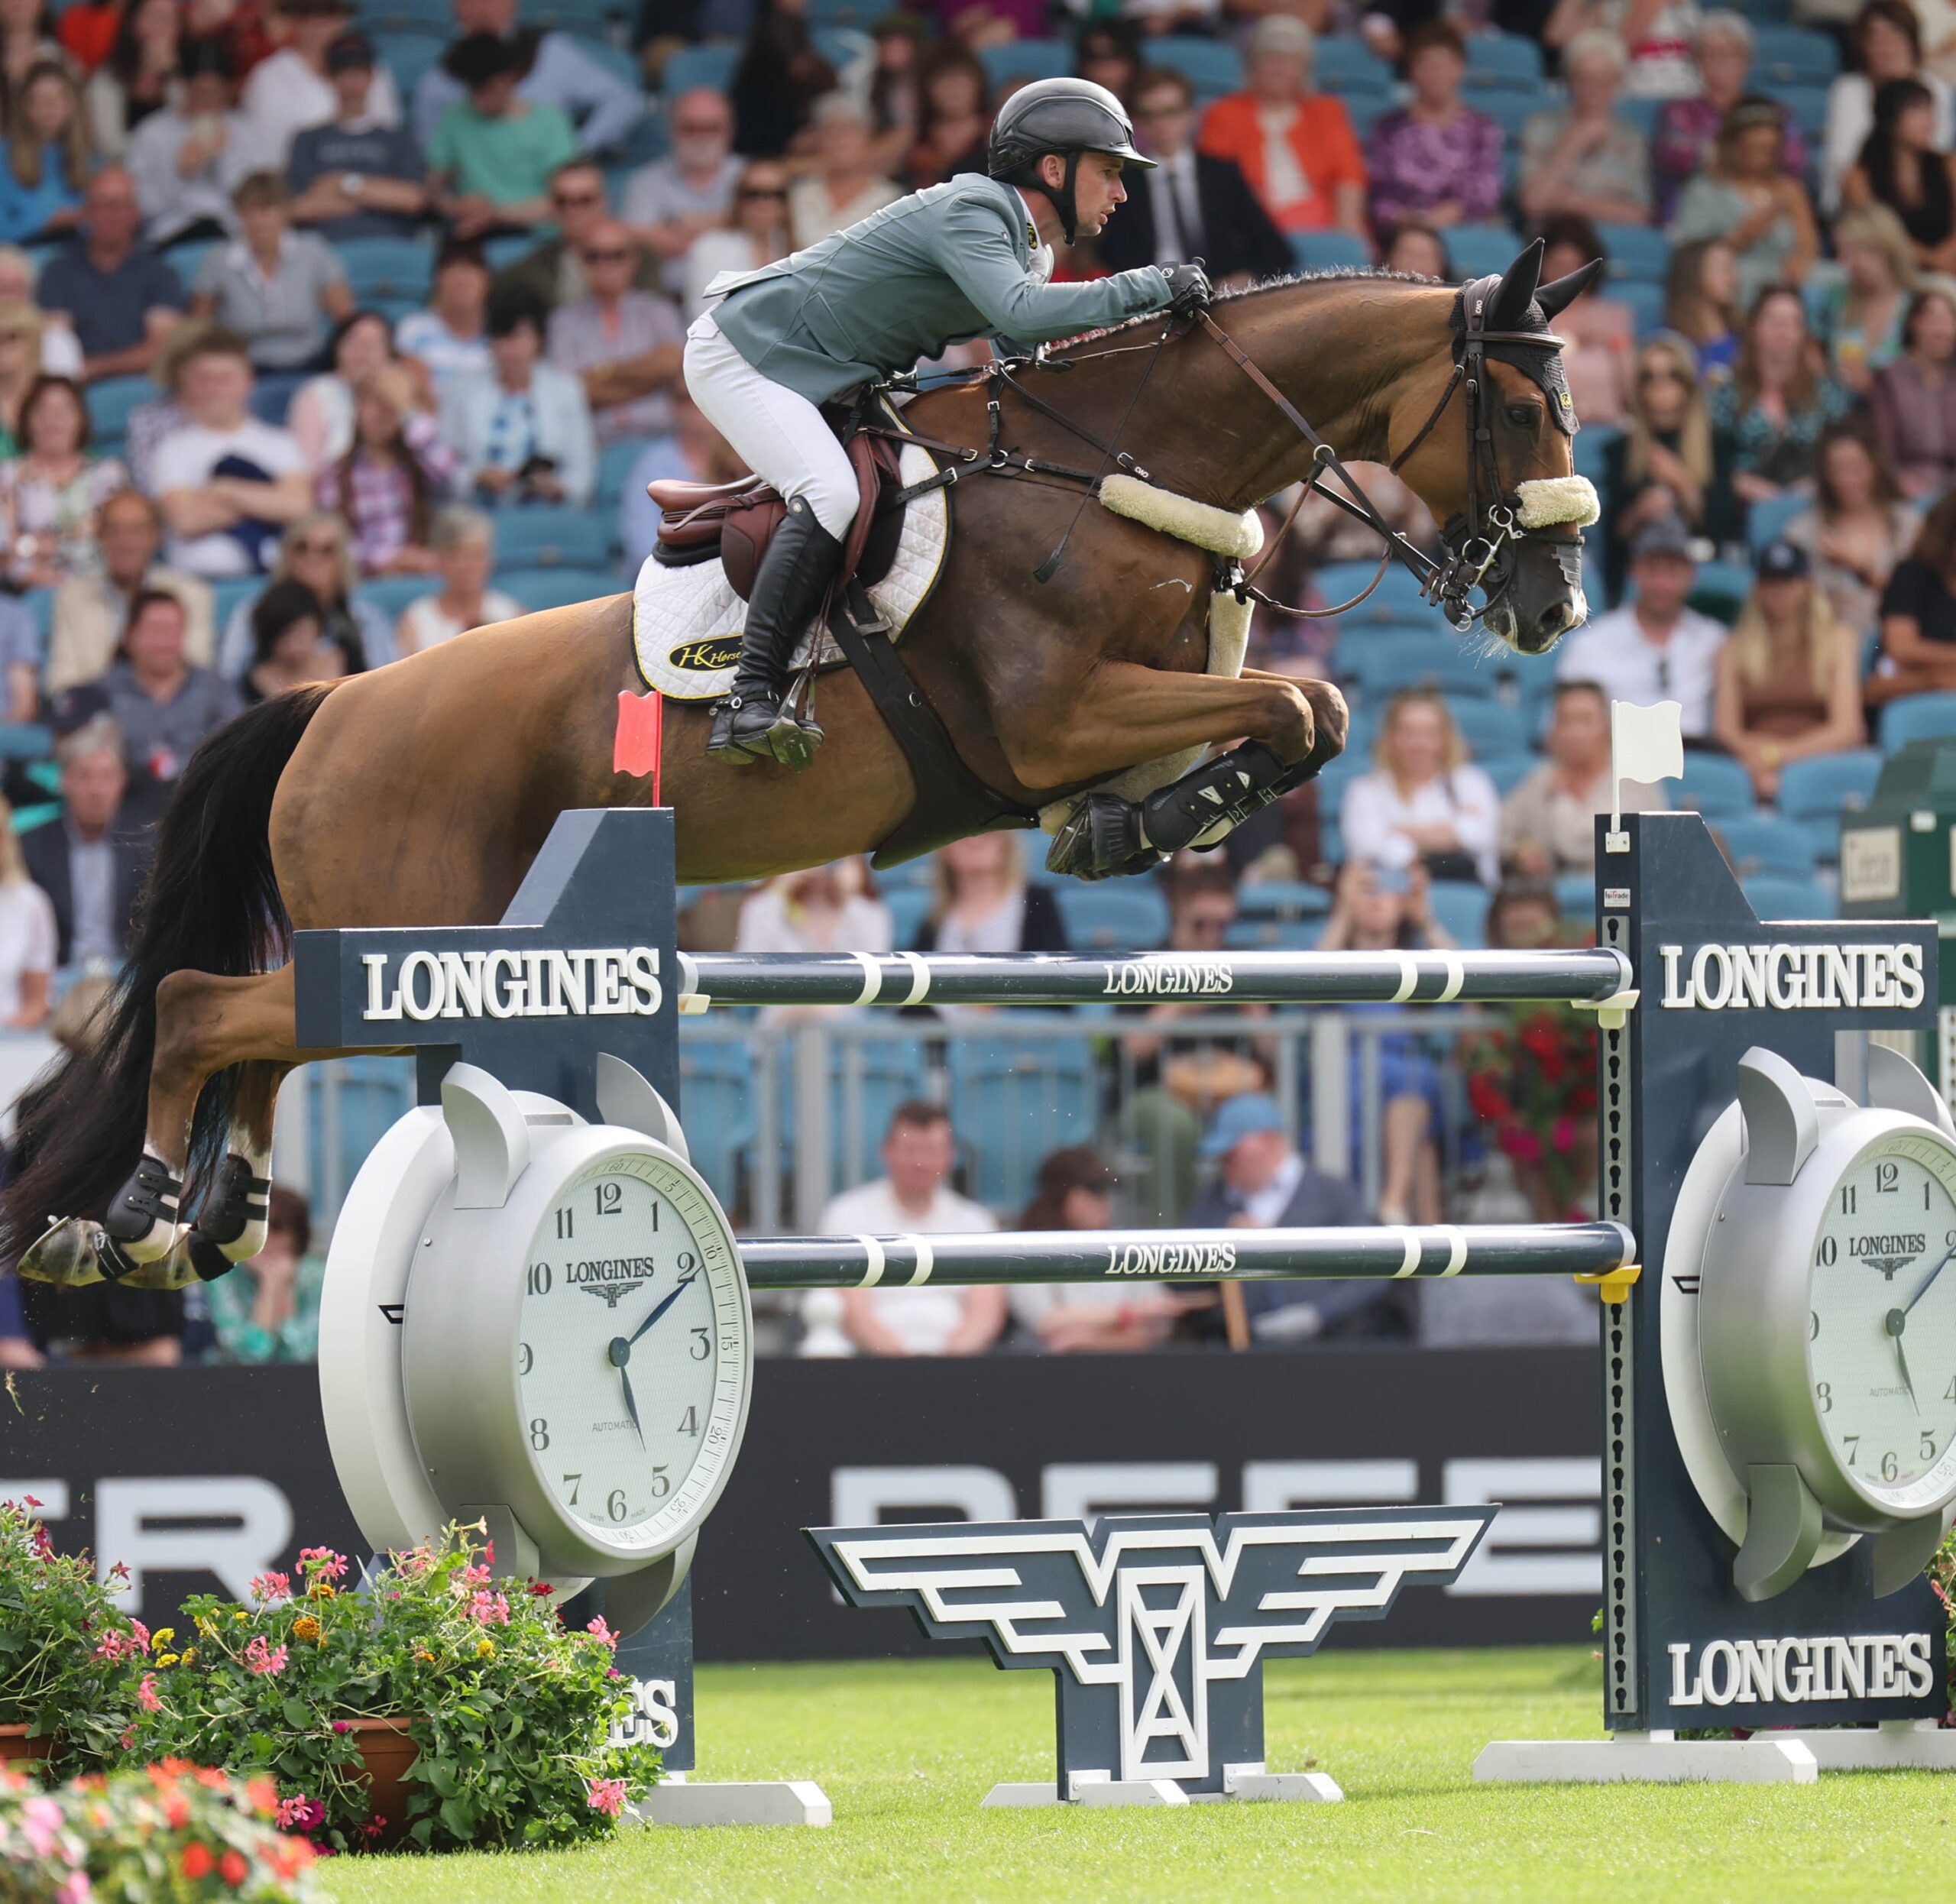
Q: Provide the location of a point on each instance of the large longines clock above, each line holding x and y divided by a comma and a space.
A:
1809, 1321
540, 1323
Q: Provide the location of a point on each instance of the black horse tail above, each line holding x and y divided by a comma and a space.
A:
212, 904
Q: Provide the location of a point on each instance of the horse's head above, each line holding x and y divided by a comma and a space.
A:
1494, 462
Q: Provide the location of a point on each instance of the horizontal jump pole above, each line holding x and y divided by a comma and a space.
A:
1386, 1253
1585, 976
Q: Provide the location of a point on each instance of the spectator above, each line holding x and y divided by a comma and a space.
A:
1600, 330
60, 354
913, 1197
242, 28
226, 481
1858, 527
887, 81
1548, 823
1108, 51
89, 868
20, 369
267, 1310
320, 414
1688, 127
141, 75
289, 646
1416, 248
1423, 801
1902, 168
1191, 206
90, 609
392, 475
1653, 648
120, 299
1435, 158
150, 421
953, 123
315, 551
553, 271
1075, 1190
1701, 302
779, 77
356, 175
554, 71
669, 202
1387, 909
163, 706
1788, 676
625, 345
695, 452
294, 91
27, 41
842, 189
274, 287
48, 159
20, 662
51, 494
464, 542
1919, 614
756, 233
190, 157
820, 910
1656, 40
1913, 399
494, 153
1886, 45
524, 432
26, 937
1294, 146
1859, 316
1582, 157
448, 337
1662, 467
980, 902
1768, 418
1745, 199
1262, 1184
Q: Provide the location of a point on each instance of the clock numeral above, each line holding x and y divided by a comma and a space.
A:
393, 1312
1829, 1249
1890, 1465
540, 1279
1924, 1194
1851, 1442
660, 1487
526, 1359
573, 1482
689, 1423
1823, 1393
614, 1503
702, 1345
1686, 1285
1847, 1199
1928, 1445
540, 1434
688, 1264
1949, 1394
565, 1226
610, 1198
1813, 1325
1887, 1177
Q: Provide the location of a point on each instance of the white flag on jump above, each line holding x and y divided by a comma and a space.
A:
1646, 744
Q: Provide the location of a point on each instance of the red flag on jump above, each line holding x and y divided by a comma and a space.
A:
637, 748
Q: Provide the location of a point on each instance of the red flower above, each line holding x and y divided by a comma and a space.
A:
1523, 1146
1484, 1096
233, 1868
197, 1862
539, 1589
1563, 1136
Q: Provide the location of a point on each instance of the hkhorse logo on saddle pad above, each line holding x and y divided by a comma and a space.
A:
686, 622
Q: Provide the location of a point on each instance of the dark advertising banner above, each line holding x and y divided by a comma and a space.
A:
198, 1478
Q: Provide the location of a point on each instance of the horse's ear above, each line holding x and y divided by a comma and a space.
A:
1559, 296
1508, 310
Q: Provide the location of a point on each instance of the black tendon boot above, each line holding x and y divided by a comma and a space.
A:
1212, 800
795, 573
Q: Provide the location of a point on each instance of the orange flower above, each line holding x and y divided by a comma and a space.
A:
323, 1590
262, 1794
305, 1627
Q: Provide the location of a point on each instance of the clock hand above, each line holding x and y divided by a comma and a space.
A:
685, 1283
620, 1352
1922, 1288
1897, 1321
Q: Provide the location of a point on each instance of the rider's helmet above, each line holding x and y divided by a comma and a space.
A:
1066, 116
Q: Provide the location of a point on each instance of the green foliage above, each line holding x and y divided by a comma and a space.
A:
167, 1834
511, 1713
64, 1646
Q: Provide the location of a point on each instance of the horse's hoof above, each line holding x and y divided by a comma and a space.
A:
64, 1253
1102, 840
793, 743
175, 1271
141, 1219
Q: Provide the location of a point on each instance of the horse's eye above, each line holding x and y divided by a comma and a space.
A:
1525, 415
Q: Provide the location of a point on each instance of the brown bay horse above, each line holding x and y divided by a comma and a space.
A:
418, 794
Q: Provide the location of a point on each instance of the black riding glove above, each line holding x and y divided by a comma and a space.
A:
1188, 290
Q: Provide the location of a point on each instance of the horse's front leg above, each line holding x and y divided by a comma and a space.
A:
1288, 729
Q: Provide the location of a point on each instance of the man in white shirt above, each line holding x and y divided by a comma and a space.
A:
843, 188
188, 157
1653, 648
915, 1197
1548, 823
228, 483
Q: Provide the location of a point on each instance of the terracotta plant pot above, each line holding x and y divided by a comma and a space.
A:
17, 1749
387, 1752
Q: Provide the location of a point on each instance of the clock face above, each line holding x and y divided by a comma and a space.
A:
632, 1357
1881, 1347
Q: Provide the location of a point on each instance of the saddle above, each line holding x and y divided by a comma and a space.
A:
735, 521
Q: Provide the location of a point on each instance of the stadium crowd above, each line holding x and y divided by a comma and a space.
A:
328, 333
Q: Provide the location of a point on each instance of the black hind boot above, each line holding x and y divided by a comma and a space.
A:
795, 575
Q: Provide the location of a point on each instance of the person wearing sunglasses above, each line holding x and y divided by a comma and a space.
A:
671, 201
753, 233
625, 344
552, 272
965, 260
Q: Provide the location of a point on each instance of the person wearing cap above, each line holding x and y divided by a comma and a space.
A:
968, 259
187, 159
1262, 1182
292, 91
1295, 145
354, 177
495, 152
844, 188
1653, 648
1789, 674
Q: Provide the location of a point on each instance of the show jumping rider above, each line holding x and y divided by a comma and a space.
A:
969, 258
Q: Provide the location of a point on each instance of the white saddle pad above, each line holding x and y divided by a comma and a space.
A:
686, 623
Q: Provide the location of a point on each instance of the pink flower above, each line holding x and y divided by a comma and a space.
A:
607, 1795
300, 1814
342, 1725
1563, 1136
489, 1609
261, 1656
599, 1630
75, 1889
146, 1694
268, 1588
374, 1827
141, 1635
41, 1824
322, 1560
31, 1500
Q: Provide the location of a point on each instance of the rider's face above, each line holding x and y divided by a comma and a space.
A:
1097, 189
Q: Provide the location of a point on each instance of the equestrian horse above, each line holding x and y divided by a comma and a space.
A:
420, 793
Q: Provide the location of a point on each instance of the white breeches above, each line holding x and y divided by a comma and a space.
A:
776, 433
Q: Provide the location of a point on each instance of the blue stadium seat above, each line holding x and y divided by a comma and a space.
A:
1015, 1100
351, 1105
1346, 65
1635, 252
1460, 910
1814, 792
1640, 112
1034, 842
1508, 771
225, 595
1490, 727
1646, 302
1772, 899
711, 65
184, 259
1213, 67
1793, 57
388, 266
535, 589
110, 403
25, 740
716, 1092
1713, 785
391, 593
1282, 899
907, 904
1592, 445
585, 18
1919, 717
1767, 843
1807, 105
407, 55
1396, 599
1027, 59
1721, 589
1329, 251
1766, 521
1504, 60
552, 535
1575, 897
1475, 250
1273, 935
614, 465
1107, 917
1379, 661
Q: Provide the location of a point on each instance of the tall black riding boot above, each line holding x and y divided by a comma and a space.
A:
795, 573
